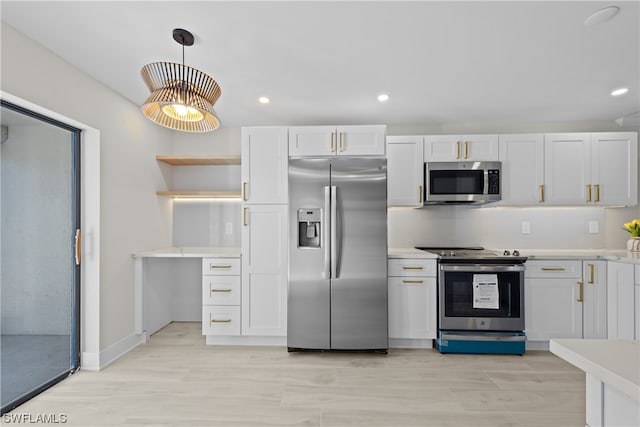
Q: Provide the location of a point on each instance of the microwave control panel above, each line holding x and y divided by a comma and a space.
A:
494, 181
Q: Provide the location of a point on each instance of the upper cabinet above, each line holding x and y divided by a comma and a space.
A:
567, 169
264, 169
522, 157
614, 168
337, 141
452, 148
405, 171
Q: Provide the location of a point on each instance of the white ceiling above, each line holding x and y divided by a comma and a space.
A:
326, 62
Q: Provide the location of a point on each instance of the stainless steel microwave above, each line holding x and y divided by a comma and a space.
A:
462, 182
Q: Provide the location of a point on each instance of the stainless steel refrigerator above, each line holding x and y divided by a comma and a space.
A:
337, 254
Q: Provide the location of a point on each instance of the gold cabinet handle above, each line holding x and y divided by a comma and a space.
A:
592, 274
244, 191
589, 193
580, 292
458, 152
420, 194
332, 145
78, 244
213, 266
412, 268
597, 193
220, 290
552, 268
341, 141
220, 321
466, 149
542, 193
412, 281
244, 216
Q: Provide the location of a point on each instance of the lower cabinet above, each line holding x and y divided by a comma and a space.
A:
412, 299
220, 296
563, 301
620, 301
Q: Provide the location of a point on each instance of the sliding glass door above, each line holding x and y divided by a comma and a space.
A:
39, 272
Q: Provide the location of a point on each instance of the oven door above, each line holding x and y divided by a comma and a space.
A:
481, 297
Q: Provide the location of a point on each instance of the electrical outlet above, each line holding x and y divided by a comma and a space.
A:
593, 227
526, 227
228, 228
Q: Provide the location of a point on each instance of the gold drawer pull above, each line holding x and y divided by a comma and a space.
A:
466, 149
412, 268
341, 141
542, 193
552, 269
592, 278
420, 194
580, 292
220, 290
589, 193
597, 193
244, 191
458, 151
412, 281
213, 266
220, 321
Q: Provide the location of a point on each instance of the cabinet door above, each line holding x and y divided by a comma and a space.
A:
594, 307
522, 158
614, 168
479, 147
620, 301
552, 309
264, 167
405, 171
567, 169
412, 307
313, 141
361, 140
442, 148
264, 270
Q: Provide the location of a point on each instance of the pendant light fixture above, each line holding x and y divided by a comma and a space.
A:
182, 97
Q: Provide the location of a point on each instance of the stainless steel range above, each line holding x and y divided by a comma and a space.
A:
480, 300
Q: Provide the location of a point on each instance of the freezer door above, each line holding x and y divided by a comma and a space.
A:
359, 285
308, 307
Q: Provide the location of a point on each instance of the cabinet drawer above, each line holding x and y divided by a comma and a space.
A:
221, 320
554, 268
221, 266
412, 267
221, 290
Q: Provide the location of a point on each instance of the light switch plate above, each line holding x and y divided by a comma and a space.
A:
593, 227
526, 227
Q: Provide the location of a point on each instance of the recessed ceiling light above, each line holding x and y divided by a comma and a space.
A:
601, 16
620, 91
263, 100
383, 97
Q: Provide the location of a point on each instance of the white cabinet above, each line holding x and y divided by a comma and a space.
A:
594, 305
522, 157
337, 141
553, 307
620, 301
451, 148
412, 299
220, 296
264, 168
567, 168
264, 270
637, 308
614, 168
405, 171
591, 169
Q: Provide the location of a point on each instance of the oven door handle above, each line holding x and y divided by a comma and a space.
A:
475, 268
483, 336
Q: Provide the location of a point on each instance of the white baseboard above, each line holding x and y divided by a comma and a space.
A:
409, 343
98, 361
537, 345
244, 340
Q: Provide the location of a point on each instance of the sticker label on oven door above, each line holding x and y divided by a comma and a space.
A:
485, 291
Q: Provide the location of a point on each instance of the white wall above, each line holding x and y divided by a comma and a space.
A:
133, 217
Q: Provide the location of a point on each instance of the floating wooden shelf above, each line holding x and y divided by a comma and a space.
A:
200, 160
200, 194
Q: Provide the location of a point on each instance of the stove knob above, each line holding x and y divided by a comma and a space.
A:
506, 253
516, 252
452, 253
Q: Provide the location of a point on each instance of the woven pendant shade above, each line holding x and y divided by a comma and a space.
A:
182, 97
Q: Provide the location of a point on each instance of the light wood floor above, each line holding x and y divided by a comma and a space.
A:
177, 380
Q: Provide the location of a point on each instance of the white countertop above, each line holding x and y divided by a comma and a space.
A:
410, 253
190, 252
614, 362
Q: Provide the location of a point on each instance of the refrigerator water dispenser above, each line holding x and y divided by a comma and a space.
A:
309, 228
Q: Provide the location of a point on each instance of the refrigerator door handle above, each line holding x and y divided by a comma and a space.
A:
334, 232
326, 273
